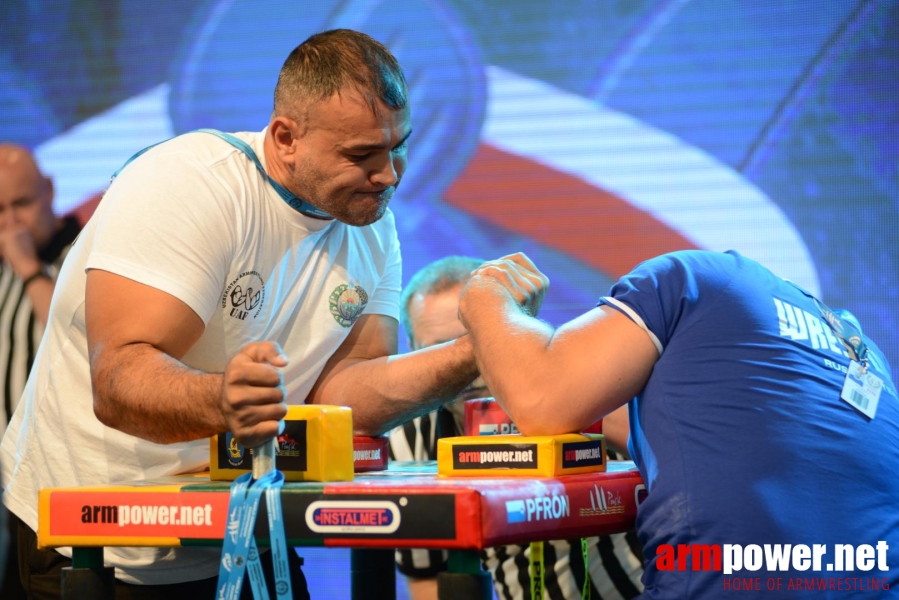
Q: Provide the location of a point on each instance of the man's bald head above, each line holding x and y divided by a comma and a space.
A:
17, 159
26, 194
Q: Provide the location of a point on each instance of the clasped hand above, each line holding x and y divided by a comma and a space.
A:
514, 275
253, 393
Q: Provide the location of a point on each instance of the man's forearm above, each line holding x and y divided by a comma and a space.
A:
148, 394
554, 381
387, 391
512, 351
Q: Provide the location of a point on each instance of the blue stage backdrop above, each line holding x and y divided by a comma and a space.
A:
590, 134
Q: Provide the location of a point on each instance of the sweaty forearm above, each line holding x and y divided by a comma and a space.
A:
385, 392
553, 381
512, 352
146, 393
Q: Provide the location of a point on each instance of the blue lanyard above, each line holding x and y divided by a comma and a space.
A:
239, 552
295, 203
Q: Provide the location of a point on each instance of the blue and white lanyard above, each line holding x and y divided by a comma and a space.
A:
239, 552
847, 332
293, 201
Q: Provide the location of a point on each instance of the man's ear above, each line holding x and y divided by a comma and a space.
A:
283, 133
49, 189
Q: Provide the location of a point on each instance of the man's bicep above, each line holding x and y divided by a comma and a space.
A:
121, 312
372, 336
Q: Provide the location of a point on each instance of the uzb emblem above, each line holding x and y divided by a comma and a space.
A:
346, 303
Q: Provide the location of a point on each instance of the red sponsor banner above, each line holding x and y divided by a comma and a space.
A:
483, 512
566, 507
136, 514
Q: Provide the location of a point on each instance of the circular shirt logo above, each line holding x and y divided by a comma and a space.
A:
244, 296
873, 382
346, 303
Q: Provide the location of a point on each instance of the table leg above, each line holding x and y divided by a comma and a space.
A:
87, 577
465, 578
373, 573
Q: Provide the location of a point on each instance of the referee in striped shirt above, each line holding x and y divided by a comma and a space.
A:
33, 243
429, 313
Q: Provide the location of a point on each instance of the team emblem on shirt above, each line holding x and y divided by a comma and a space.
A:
244, 296
347, 302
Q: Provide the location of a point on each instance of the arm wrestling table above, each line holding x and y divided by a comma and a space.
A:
406, 506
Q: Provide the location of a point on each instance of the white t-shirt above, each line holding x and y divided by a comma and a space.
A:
194, 218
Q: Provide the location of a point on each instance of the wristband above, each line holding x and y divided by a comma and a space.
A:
41, 273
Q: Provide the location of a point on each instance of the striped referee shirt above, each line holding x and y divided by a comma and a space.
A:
615, 560
20, 329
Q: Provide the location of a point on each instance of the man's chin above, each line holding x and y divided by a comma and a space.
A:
370, 214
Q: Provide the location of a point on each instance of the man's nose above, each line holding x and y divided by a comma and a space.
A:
388, 174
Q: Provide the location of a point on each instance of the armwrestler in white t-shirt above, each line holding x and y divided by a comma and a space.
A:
200, 300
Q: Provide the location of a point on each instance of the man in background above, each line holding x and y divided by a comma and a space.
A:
429, 309
33, 243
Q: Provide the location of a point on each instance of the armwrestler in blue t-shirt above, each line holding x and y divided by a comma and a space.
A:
734, 380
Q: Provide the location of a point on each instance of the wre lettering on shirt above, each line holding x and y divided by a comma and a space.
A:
800, 325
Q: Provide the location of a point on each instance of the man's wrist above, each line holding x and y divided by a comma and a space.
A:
42, 273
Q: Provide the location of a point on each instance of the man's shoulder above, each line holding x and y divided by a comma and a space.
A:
204, 148
701, 269
195, 165
697, 261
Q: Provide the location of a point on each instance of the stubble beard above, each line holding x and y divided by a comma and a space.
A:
342, 204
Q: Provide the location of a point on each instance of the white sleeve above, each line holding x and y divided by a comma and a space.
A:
170, 223
386, 298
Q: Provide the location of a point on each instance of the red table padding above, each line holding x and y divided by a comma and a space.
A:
407, 505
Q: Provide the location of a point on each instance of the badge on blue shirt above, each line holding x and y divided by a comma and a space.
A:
861, 390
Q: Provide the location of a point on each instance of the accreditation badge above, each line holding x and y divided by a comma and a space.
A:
861, 390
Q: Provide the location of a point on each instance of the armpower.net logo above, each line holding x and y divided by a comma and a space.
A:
733, 559
136, 514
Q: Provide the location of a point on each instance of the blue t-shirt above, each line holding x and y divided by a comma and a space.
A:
740, 433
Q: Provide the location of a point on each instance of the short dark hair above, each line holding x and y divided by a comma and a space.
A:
434, 278
331, 61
